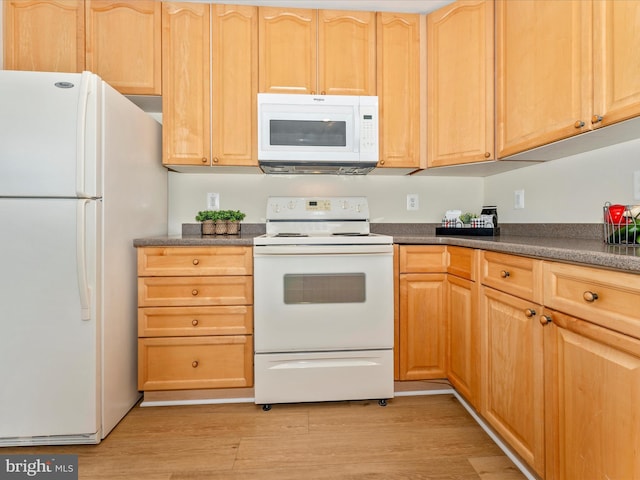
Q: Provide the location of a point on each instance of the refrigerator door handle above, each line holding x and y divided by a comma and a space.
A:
81, 261
81, 126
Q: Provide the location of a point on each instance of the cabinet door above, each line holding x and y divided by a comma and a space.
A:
544, 90
346, 52
616, 61
593, 428
401, 86
422, 326
234, 84
460, 71
512, 373
123, 44
287, 52
186, 99
463, 339
44, 35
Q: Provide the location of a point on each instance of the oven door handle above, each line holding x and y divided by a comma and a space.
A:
267, 250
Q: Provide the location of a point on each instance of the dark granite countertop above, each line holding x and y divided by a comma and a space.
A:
581, 244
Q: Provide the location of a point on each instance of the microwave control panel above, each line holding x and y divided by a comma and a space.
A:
369, 125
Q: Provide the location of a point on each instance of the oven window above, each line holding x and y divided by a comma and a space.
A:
324, 288
308, 133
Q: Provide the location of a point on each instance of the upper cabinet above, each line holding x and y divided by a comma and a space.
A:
460, 83
317, 51
402, 90
44, 35
234, 85
186, 98
543, 72
564, 68
123, 44
209, 84
118, 40
616, 43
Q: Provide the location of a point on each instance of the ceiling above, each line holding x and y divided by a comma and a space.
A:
405, 6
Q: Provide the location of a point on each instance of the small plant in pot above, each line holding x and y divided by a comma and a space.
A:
232, 219
208, 219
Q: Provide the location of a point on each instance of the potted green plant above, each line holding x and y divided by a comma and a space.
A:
234, 217
208, 218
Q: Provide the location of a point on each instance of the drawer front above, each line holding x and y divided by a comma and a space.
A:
193, 291
604, 297
177, 261
192, 321
195, 362
518, 276
423, 259
462, 262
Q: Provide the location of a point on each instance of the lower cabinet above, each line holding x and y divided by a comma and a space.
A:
592, 400
463, 335
195, 318
422, 330
512, 373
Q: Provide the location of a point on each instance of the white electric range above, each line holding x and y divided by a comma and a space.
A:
323, 303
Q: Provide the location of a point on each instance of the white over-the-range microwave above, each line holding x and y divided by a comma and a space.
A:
333, 134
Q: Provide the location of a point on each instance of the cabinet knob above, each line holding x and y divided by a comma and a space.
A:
194, 364
381, 162
194, 322
194, 292
504, 274
323, 93
529, 312
590, 296
596, 119
579, 124
215, 159
487, 154
204, 160
196, 261
545, 320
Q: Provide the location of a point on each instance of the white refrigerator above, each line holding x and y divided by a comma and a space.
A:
80, 178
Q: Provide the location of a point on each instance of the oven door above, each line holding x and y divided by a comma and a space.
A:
323, 298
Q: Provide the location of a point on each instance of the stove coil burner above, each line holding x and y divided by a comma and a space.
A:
292, 234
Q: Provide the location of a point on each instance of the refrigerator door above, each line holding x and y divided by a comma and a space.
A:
49, 349
47, 134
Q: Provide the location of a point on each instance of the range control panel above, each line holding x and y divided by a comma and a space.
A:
317, 208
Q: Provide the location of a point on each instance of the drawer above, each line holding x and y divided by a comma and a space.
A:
512, 274
181, 363
462, 262
191, 321
193, 291
177, 261
423, 259
607, 298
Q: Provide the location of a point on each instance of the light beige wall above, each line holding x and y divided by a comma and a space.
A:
386, 194
569, 190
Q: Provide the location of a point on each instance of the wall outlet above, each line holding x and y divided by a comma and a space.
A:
518, 199
412, 201
636, 185
213, 201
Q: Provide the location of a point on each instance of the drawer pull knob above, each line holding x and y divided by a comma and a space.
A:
545, 320
529, 312
579, 124
504, 274
596, 118
194, 292
196, 261
194, 322
194, 364
590, 296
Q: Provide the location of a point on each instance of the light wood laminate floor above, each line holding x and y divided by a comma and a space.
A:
413, 437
